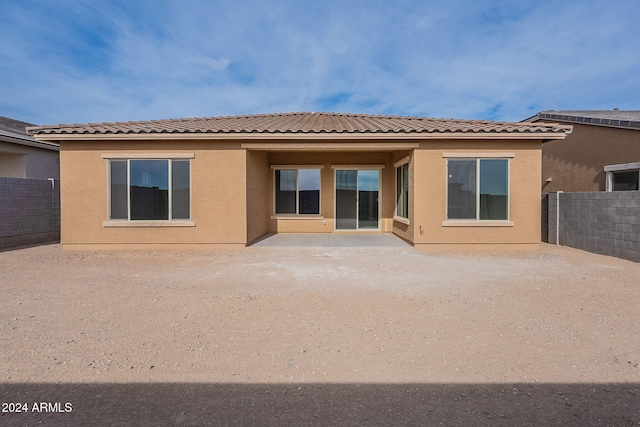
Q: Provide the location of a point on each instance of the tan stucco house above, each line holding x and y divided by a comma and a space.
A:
601, 154
224, 182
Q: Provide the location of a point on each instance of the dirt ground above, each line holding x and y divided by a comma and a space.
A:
318, 336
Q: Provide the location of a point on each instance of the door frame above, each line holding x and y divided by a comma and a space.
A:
335, 182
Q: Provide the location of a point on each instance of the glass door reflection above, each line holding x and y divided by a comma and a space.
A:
368, 186
357, 195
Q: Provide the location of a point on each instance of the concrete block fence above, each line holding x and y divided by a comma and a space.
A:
599, 222
29, 211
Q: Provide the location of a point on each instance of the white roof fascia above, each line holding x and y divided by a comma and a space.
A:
622, 167
297, 136
16, 138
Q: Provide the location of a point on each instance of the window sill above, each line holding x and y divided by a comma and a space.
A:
401, 219
125, 223
472, 223
288, 217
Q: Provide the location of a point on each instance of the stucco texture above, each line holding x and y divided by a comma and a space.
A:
218, 190
325, 222
577, 162
232, 195
429, 200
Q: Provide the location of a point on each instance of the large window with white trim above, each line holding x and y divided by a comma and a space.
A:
478, 189
297, 191
402, 191
149, 189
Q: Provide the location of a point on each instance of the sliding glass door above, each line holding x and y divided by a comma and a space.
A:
346, 199
357, 199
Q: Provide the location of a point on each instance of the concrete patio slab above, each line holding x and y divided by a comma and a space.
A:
319, 240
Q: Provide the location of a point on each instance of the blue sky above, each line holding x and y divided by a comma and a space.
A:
65, 61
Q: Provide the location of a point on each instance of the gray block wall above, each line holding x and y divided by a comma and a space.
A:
599, 222
29, 212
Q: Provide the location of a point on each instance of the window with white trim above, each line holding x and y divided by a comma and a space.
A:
478, 189
623, 177
149, 189
402, 191
297, 191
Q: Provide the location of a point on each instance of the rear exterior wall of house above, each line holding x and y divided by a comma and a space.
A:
329, 162
232, 195
433, 231
218, 197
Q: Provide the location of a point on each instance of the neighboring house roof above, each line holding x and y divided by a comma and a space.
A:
311, 125
14, 131
629, 119
14, 126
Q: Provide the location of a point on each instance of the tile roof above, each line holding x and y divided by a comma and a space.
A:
611, 118
300, 123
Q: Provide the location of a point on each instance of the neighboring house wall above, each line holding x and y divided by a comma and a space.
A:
29, 204
13, 165
600, 222
43, 165
577, 163
21, 161
29, 211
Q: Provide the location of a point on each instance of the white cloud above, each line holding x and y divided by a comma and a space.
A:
107, 61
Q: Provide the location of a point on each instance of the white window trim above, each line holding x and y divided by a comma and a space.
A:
401, 220
303, 217
114, 223
357, 167
147, 223
147, 156
297, 166
296, 215
624, 167
472, 156
468, 222
477, 223
402, 162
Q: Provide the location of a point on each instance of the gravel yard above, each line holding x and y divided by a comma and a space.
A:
319, 336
